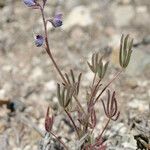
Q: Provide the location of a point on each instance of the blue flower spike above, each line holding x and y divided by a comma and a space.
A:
30, 3
57, 20
39, 40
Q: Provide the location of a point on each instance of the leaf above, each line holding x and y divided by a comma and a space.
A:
59, 95
121, 50
91, 67
72, 75
67, 78
78, 85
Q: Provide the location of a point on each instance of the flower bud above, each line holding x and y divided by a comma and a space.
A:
29, 3
39, 40
57, 20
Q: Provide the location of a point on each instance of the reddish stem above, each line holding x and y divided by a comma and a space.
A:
48, 48
59, 140
75, 127
100, 136
108, 85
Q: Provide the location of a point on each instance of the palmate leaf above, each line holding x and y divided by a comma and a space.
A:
75, 84
102, 68
126, 44
97, 65
64, 95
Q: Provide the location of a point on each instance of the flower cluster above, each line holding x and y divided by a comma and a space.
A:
56, 21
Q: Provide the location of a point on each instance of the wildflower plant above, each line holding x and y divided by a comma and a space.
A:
68, 90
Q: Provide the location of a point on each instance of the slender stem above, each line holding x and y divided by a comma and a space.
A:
94, 80
59, 141
75, 127
94, 90
108, 85
78, 103
104, 128
93, 93
48, 48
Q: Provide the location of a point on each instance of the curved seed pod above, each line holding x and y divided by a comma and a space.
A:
111, 107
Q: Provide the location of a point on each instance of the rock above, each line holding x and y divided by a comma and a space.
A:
131, 82
50, 86
138, 63
124, 2
142, 12
139, 105
3, 141
2, 3
72, 4
122, 15
88, 78
129, 142
36, 74
2, 93
80, 16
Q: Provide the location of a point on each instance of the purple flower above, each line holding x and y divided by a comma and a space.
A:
57, 20
30, 3
39, 40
